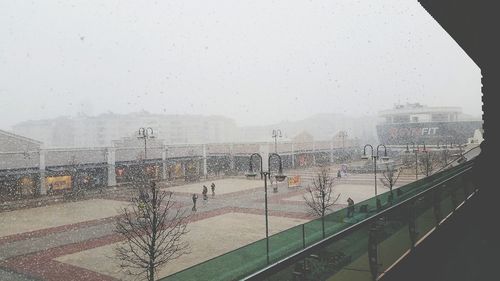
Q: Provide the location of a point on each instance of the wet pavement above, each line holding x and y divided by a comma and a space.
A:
50, 242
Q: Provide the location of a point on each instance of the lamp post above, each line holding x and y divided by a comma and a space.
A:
276, 134
416, 157
145, 133
26, 157
279, 177
343, 135
427, 166
445, 152
375, 158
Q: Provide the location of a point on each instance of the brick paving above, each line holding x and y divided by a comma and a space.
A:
31, 255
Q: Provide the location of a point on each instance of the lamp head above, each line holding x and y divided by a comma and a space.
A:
251, 175
280, 177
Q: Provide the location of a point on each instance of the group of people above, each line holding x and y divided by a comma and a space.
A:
342, 172
204, 192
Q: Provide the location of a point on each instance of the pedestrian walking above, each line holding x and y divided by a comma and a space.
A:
339, 174
350, 207
213, 189
195, 197
143, 195
205, 192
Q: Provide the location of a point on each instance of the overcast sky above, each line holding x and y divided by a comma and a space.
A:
256, 61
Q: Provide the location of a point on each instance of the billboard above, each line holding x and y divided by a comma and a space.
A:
59, 182
294, 181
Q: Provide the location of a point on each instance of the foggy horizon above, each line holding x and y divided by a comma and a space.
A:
83, 114
258, 63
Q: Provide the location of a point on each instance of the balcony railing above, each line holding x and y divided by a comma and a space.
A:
361, 247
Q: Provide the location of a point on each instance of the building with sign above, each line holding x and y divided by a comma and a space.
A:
422, 124
27, 168
19, 165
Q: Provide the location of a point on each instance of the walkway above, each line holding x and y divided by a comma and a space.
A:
77, 239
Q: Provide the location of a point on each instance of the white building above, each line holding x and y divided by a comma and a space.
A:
102, 130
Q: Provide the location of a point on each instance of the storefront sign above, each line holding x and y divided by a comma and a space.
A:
120, 172
27, 185
294, 181
59, 183
178, 171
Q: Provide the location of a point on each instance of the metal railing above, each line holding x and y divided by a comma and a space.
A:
369, 248
301, 252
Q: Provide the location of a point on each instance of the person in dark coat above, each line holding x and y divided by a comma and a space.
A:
205, 192
350, 207
195, 197
213, 189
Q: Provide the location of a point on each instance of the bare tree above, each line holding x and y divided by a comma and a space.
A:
391, 176
408, 160
320, 197
152, 230
446, 157
429, 163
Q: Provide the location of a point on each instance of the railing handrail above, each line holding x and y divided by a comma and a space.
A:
311, 248
334, 236
456, 160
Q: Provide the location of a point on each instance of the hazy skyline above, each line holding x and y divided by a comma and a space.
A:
257, 62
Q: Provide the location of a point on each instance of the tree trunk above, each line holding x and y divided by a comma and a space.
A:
154, 231
323, 224
151, 274
323, 209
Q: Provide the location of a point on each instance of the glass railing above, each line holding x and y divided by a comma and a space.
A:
367, 249
419, 206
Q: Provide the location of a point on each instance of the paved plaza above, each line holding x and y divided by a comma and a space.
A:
208, 238
224, 186
21, 221
76, 238
356, 192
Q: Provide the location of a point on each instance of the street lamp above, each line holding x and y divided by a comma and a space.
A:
276, 134
343, 135
415, 150
445, 151
375, 158
427, 166
145, 133
251, 173
279, 177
